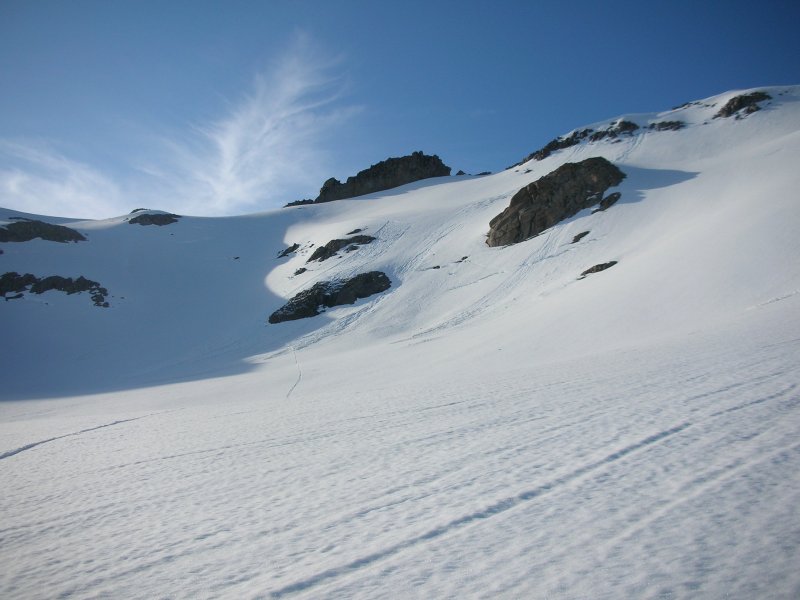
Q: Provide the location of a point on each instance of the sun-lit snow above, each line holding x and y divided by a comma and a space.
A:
491, 426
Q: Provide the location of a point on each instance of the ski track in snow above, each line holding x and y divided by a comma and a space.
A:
498, 507
32, 445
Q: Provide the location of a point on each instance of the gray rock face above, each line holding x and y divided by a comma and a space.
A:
598, 268
331, 293
667, 125
332, 247
384, 175
159, 219
288, 250
24, 230
13, 282
553, 198
607, 202
747, 103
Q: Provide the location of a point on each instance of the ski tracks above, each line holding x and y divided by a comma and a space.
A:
30, 446
499, 507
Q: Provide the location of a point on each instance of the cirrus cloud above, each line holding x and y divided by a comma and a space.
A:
269, 143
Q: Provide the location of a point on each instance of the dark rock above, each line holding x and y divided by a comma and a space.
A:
557, 144
332, 247
598, 268
24, 230
355, 231
14, 282
580, 236
619, 128
384, 175
667, 125
460, 172
608, 202
556, 196
287, 251
482, 173
331, 293
300, 271
154, 219
747, 103
299, 202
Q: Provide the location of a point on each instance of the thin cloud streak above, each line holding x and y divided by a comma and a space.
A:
270, 142
38, 179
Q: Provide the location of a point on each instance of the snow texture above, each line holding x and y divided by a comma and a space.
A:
491, 426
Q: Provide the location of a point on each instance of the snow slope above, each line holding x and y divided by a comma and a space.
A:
493, 427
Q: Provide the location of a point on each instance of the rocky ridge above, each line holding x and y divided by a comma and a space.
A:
25, 230
387, 174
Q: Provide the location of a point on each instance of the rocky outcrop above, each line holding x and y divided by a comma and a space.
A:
556, 196
579, 237
614, 131
329, 294
619, 128
384, 175
332, 247
746, 103
667, 125
598, 268
154, 218
559, 143
288, 250
607, 202
24, 230
14, 283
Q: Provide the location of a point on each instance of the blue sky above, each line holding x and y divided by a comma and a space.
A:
213, 108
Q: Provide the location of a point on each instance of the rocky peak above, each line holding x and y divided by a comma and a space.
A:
387, 174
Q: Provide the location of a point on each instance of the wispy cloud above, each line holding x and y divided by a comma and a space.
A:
35, 177
270, 142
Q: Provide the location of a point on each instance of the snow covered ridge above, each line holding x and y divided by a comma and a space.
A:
607, 408
738, 106
431, 246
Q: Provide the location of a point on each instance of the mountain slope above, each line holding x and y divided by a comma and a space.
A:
492, 425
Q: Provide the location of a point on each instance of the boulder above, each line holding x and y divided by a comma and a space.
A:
598, 268
289, 250
332, 247
556, 196
580, 236
331, 293
607, 202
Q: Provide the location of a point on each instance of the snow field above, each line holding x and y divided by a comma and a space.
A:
489, 428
